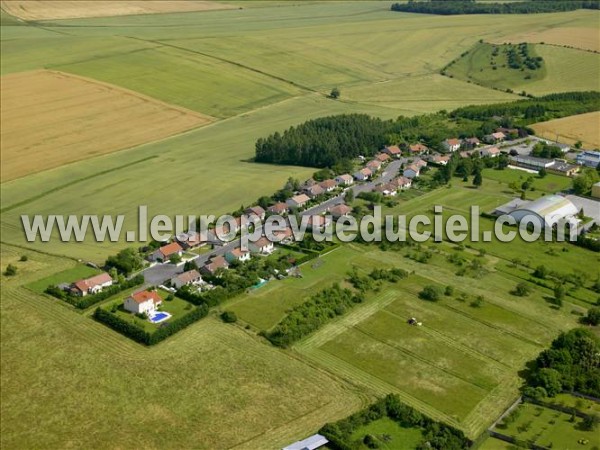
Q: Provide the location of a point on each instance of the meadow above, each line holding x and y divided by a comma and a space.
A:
69, 367
570, 130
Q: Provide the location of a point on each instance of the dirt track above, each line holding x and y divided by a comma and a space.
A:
51, 118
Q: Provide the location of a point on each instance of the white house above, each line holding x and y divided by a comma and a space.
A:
142, 302
262, 246
92, 285
237, 254
344, 180
402, 182
185, 278
328, 185
388, 189
451, 145
374, 165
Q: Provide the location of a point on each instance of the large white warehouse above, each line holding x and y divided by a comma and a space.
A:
547, 210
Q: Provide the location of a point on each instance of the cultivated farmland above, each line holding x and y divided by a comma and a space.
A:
69, 9
50, 119
581, 128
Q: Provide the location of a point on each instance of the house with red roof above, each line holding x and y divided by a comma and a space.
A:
92, 285
262, 246
451, 145
164, 253
237, 254
142, 302
185, 278
392, 150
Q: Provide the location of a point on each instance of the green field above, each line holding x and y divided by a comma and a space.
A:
60, 367
77, 273
264, 67
257, 70
390, 435
563, 69
548, 428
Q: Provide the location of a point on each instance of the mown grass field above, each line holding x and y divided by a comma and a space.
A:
61, 367
580, 128
389, 435
547, 428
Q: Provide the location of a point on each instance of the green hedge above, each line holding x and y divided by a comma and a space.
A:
139, 334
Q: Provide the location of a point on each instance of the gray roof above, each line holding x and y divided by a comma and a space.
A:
310, 443
509, 207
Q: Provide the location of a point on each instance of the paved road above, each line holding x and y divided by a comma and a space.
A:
160, 273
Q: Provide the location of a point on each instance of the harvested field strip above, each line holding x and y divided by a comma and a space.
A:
59, 119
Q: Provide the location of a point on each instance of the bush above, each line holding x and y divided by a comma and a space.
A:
592, 317
24, 258
431, 293
521, 290
10, 271
229, 317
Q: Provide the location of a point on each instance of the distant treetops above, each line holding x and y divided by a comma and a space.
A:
455, 7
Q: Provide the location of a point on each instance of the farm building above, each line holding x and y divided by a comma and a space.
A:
546, 210
92, 285
310, 443
185, 278
142, 302
531, 162
588, 158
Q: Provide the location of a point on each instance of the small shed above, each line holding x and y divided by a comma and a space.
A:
310, 443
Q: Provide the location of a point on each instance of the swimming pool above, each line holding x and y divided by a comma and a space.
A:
159, 316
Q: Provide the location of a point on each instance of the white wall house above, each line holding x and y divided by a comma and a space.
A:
185, 278
142, 302
92, 285
263, 246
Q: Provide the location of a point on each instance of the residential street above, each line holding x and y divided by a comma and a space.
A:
160, 273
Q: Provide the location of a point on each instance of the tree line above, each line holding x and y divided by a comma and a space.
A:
435, 435
454, 7
334, 141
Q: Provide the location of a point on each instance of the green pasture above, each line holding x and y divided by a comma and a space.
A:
389, 435
69, 276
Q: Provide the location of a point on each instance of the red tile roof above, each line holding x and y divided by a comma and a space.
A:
144, 296
89, 283
170, 249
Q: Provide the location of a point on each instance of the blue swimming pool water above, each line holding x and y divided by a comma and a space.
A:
158, 317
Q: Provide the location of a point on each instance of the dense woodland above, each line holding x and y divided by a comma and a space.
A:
454, 7
334, 140
436, 435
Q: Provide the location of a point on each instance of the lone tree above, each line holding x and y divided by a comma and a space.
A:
335, 93
542, 172
477, 179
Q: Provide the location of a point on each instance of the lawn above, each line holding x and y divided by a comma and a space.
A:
389, 435
79, 272
548, 428
551, 183
177, 307
59, 366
